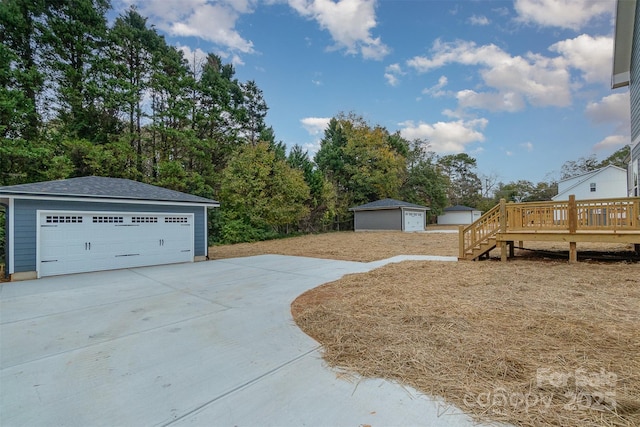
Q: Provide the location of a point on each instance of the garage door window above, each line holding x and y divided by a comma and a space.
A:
108, 219
59, 219
141, 219
182, 219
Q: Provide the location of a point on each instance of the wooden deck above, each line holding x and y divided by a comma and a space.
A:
572, 221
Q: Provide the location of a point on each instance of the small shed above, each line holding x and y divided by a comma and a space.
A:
459, 215
389, 214
96, 223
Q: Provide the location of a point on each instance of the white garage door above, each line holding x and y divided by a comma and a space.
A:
75, 242
413, 221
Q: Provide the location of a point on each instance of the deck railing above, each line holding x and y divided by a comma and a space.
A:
570, 216
575, 215
483, 229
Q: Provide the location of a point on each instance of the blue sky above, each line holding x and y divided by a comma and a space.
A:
522, 85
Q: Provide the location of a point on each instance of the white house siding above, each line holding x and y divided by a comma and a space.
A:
458, 217
610, 182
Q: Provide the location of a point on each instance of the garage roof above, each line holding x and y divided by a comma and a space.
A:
459, 208
387, 204
104, 188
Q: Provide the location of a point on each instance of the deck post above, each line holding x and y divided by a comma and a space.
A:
511, 249
573, 214
461, 254
503, 229
573, 253
573, 226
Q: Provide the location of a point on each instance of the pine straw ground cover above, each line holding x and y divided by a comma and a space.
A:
347, 245
527, 342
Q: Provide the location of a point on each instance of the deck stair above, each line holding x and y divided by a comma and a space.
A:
572, 221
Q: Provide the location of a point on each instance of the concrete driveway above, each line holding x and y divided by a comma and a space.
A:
210, 343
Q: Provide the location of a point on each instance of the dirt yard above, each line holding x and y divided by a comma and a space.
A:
532, 342
347, 245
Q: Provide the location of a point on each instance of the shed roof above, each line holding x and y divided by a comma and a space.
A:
104, 188
459, 208
387, 204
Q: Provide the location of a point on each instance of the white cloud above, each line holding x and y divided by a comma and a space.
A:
315, 125
613, 109
527, 146
591, 55
212, 21
348, 21
436, 90
196, 58
611, 142
505, 101
515, 81
573, 14
479, 20
446, 137
539, 80
392, 73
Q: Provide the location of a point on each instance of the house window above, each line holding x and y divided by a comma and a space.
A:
593, 187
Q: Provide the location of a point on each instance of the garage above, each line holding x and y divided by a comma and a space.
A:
457, 215
76, 242
389, 214
414, 220
96, 223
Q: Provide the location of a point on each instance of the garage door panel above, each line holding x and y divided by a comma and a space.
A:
413, 221
104, 241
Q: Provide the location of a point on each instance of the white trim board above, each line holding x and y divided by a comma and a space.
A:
107, 200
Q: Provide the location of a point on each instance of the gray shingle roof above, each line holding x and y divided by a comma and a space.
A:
387, 204
101, 187
459, 208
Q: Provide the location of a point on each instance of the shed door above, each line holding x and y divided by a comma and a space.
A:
70, 242
413, 221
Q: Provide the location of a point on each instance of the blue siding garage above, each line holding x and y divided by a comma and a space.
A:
95, 223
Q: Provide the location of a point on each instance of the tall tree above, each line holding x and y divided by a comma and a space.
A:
425, 184
330, 157
131, 49
254, 111
172, 135
465, 187
618, 158
21, 77
260, 194
363, 163
74, 36
218, 102
578, 167
321, 192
